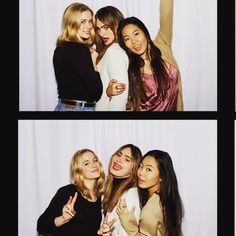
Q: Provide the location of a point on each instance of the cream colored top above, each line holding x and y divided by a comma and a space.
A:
132, 200
151, 220
113, 65
163, 41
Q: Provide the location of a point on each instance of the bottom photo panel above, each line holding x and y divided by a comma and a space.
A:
117, 177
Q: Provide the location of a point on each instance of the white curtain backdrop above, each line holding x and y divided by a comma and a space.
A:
194, 46
46, 148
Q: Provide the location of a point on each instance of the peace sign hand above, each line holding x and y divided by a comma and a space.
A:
68, 211
105, 229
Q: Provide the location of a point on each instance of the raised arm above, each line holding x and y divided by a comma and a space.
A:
166, 21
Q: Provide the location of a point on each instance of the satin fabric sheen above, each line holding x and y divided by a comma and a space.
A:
153, 102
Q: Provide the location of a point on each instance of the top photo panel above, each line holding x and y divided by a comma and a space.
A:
127, 55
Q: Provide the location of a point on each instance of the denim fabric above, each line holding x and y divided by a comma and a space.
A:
61, 107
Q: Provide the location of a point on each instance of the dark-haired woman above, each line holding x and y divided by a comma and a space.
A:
162, 208
112, 61
154, 77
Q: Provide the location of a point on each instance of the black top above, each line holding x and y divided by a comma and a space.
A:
85, 222
75, 74
116, 184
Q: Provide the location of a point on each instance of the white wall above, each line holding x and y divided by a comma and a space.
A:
194, 46
46, 148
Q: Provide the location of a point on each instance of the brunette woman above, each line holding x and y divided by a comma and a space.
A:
112, 61
154, 77
162, 208
121, 182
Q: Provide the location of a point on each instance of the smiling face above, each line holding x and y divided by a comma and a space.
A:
135, 39
86, 25
148, 175
122, 163
105, 32
90, 166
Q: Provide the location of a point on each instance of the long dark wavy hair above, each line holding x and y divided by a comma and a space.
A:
136, 85
171, 202
110, 16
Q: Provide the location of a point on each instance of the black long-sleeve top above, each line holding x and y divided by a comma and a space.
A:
75, 74
85, 222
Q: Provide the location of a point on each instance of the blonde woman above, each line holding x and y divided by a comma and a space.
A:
78, 82
120, 182
76, 208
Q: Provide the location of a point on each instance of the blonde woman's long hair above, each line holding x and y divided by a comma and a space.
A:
111, 199
77, 178
71, 23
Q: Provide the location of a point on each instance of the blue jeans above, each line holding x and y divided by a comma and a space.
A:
61, 107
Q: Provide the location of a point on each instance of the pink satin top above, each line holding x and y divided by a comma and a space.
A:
152, 102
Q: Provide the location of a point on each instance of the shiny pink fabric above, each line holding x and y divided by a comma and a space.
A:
152, 102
